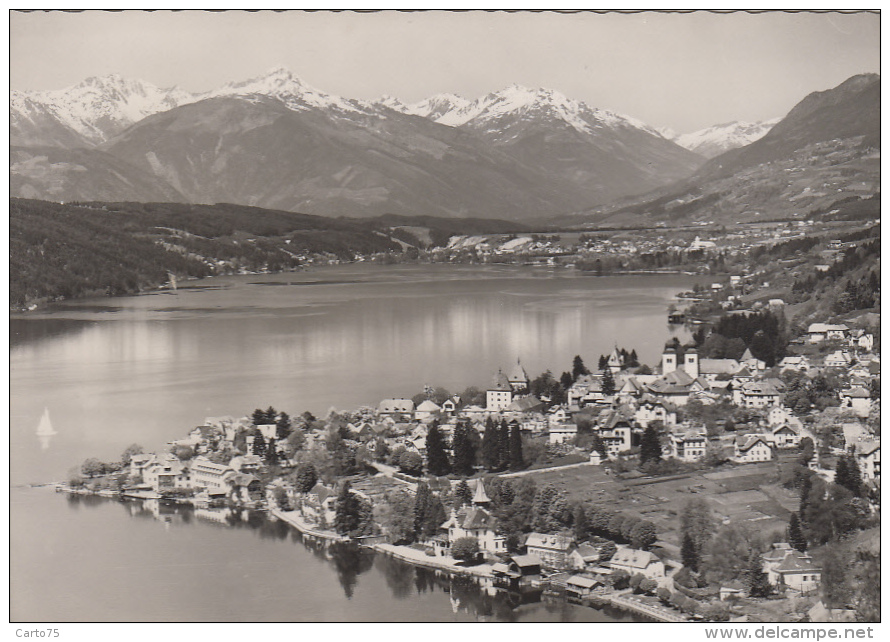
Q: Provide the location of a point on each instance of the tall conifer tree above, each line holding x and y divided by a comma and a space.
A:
503, 445
464, 451
490, 455
795, 534
516, 459
437, 458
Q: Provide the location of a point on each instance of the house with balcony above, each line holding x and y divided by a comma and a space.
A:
209, 476
756, 394
688, 444
165, 472
785, 436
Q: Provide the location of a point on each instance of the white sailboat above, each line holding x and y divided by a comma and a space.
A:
45, 430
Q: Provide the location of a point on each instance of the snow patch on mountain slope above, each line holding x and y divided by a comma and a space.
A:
281, 84
96, 105
717, 139
101, 107
435, 107
522, 101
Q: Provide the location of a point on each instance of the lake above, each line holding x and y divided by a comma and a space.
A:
88, 559
147, 369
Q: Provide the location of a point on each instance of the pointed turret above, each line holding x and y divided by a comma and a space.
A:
518, 377
481, 497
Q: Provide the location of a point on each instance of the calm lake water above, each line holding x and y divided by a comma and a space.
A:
89, 559
147, 369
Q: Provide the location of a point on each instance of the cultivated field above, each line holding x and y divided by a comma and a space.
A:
744, 493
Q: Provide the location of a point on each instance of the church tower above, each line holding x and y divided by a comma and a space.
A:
668, 361
691, 363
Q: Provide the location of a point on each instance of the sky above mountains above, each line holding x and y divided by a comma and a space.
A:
682, 71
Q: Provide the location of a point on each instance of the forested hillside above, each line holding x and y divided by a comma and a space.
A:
60, 251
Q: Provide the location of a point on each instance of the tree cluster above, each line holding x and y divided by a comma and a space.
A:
764, 333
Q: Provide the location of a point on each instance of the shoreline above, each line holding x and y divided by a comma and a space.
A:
406, 554
44, 305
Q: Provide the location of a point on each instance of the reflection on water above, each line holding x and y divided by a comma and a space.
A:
147, 369
148, 560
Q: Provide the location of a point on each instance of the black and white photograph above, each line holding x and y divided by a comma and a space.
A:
419, 316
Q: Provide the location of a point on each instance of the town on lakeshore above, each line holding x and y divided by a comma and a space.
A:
520, 316
705, 487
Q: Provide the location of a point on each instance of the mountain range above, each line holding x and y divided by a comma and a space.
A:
276, 142
713, 141
824, 153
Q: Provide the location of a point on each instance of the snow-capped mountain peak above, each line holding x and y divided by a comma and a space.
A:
391, 102
283, 85
667, 133
525, 102
713, 141
100, 106
437, 106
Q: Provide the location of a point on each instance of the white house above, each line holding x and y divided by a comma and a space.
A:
838, 359
866, 342
616, 433
655, 410
778, 415
689, 444
475, 522
562, 433
868, 454
554, 550
789, 568
500, 395
396, 407
210, 476
427, 410
756, 394
857, 398
751, 448
710, 369
819, 332
750, 361
635, 561
800, 363
785, 436
139, 462
165, 472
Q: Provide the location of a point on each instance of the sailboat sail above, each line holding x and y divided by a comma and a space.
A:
45, 429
